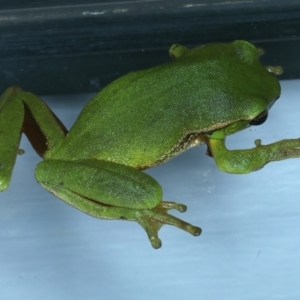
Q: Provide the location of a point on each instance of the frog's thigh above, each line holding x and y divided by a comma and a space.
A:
103, 182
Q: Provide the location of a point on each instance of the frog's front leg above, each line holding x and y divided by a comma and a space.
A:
248, 160
107, 190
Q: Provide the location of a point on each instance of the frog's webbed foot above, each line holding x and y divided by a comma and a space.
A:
153, 219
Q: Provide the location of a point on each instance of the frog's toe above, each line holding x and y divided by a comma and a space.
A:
166, 205
168, 219
154, 239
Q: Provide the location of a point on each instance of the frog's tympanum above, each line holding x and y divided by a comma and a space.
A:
141, 120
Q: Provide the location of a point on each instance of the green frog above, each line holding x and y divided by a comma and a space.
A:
144, 119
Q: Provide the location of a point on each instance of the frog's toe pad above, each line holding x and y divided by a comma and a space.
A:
155, 241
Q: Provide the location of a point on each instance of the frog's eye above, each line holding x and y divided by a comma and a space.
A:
261, 118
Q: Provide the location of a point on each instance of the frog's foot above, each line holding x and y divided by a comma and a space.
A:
153, 219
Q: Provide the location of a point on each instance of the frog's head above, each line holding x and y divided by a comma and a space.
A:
259, 84
237, 86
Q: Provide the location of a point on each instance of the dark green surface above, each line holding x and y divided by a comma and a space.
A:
71, 48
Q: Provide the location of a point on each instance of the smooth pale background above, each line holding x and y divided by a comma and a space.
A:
249, 248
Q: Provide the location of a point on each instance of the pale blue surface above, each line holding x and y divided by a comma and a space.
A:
249, 248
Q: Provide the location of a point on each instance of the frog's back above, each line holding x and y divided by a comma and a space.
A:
143, 115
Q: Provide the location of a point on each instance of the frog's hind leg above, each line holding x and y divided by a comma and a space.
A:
107, 190
11, 121
23, 112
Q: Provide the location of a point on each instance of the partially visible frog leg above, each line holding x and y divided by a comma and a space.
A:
107, 190
11, 121
248, 160
23, 112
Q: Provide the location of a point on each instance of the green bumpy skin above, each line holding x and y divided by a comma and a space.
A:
141, 120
